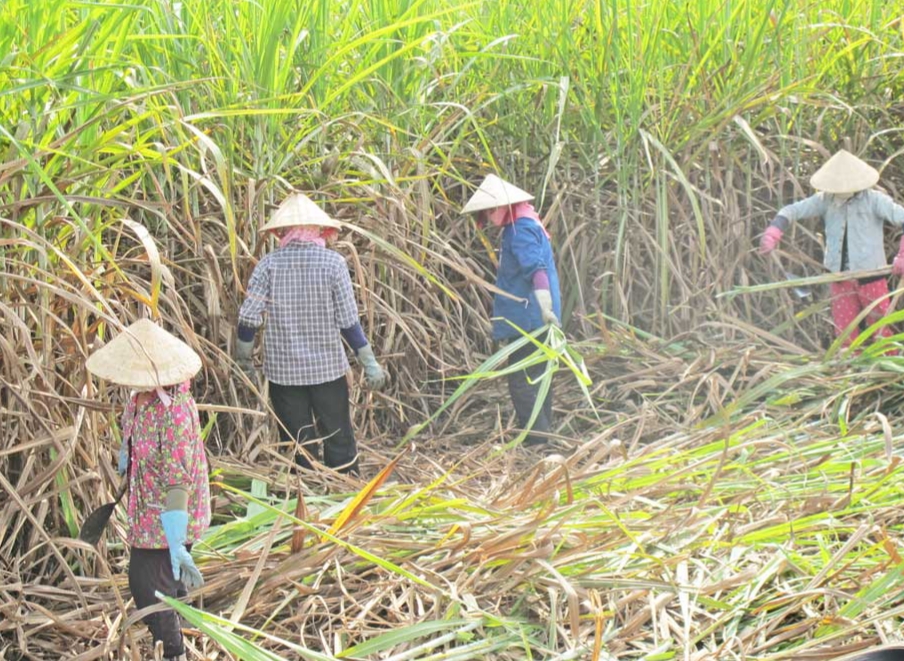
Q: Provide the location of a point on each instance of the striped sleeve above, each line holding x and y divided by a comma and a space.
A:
344, 306
251, 314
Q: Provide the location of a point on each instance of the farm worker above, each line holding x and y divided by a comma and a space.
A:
304, 292
854, 214
162, 450
527, 271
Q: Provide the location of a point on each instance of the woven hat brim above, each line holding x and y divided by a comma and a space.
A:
275, 224
298, 210
144, 358
494, 193
844, 173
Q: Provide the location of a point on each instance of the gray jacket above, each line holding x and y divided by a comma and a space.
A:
863, 215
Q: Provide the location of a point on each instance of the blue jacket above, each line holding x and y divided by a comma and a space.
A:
525, 250
863, 217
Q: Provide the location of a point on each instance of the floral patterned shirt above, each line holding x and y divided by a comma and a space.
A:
166, 451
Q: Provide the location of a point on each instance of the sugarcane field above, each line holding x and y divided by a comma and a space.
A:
420, 330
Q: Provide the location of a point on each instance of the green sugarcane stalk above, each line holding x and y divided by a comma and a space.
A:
825, 278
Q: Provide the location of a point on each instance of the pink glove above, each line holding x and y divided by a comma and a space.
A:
770, 239
897, 266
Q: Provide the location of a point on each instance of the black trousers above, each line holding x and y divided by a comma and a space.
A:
150, 570
524, 396
313, 415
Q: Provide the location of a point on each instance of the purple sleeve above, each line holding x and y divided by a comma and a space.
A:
780, 222
354, 335
246, 333
541, 279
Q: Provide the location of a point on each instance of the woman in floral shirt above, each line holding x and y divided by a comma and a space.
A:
169, 497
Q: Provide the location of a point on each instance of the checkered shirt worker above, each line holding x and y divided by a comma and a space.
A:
303, 292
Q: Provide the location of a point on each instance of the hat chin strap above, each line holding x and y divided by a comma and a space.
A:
161, 393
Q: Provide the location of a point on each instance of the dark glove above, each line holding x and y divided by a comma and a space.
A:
243, 351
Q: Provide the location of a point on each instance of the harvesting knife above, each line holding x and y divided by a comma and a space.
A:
94, 525
799, 291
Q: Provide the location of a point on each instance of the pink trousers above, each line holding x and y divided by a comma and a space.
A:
849, 298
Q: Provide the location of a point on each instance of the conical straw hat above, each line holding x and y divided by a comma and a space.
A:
494, 192
298, 209
144, 356
844, 173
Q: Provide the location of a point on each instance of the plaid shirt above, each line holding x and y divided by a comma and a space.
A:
306, 293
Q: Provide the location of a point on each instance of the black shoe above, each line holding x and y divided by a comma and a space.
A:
532, 440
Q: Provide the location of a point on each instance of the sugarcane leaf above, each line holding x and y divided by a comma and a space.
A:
360, 500
219, 629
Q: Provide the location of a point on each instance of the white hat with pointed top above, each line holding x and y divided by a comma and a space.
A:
298, 209
844, 173
493, 193
144, 356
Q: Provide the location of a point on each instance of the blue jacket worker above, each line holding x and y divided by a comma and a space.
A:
527, 271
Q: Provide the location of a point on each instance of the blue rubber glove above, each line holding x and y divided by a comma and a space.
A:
123, 464
175, 525
374, 376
